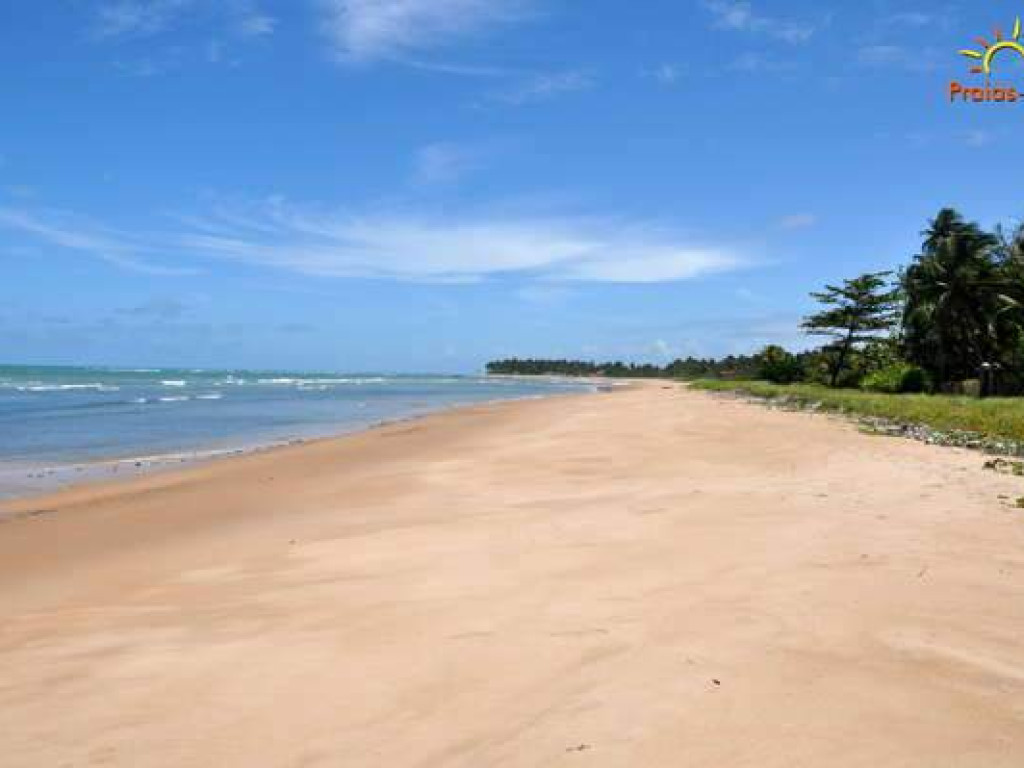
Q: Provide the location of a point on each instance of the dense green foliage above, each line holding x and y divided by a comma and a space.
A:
779, 366
896, 378
743, 366
854, 314
962, 301
729, 367
996, 417
516, 367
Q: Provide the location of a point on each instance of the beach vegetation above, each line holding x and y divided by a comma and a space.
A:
855, 313
779, 366
998, 418
896, 378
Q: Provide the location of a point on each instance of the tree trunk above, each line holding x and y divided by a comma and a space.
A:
843, 351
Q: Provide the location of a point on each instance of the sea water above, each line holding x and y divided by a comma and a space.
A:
53, 419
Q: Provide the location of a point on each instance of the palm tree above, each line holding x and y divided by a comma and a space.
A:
951, 318
1010, 252
949, 222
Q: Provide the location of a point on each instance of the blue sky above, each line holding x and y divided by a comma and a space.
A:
410, 185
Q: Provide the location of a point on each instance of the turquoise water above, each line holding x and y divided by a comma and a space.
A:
55, 415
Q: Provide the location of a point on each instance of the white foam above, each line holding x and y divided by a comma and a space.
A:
324, 382
67, 387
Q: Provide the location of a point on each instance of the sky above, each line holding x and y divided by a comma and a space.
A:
424, 185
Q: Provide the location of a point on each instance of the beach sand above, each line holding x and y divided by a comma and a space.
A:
647, 577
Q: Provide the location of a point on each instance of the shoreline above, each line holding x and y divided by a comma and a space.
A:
53, 477
625, 577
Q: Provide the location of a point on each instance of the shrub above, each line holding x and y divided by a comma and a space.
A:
817, 369
778, 366
896, 378
915, 380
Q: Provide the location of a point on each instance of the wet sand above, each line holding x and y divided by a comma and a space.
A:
648, 577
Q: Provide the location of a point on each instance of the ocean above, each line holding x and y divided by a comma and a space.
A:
60, 423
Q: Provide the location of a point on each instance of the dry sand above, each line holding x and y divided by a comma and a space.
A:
643, 578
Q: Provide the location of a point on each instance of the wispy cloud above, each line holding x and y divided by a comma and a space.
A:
910, 19
127, 19
667, 74
545, 86
450, 68
137, 18
740, 16
944, 16
364, 31
397, 246
444, 163
250, 20
75, 233
418, 248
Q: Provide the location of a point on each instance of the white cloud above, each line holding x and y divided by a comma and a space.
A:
145, 18
444, 163
137, 18
911, 19
372, 30
77, 234
740, 16
546, 86
798, 221
396, 246
256, 25
667, 74
247, 19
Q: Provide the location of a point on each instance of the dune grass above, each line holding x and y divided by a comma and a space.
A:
994, 418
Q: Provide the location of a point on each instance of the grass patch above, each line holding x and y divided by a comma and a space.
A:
994, 419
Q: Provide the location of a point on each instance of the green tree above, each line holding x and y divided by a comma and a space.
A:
955, 315
777, 365
855, 313
1010, 284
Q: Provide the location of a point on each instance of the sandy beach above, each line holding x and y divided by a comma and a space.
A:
647, 577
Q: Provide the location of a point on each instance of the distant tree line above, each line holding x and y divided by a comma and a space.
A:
517, 367
731, 367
